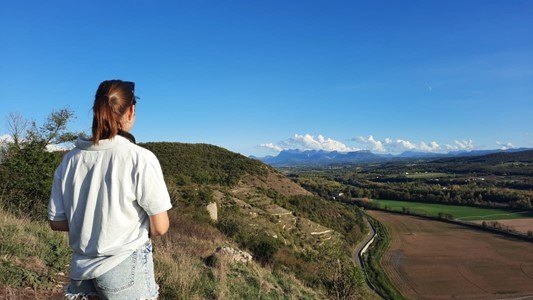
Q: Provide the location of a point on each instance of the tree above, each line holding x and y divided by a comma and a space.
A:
17, 126
347, 282
27, 167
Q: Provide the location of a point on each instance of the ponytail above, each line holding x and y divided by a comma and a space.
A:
111, 103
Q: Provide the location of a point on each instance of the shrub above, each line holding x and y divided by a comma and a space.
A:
27, 168
264, 247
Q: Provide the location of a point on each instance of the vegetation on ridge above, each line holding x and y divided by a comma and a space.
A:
302, 245
185, 164
499, 180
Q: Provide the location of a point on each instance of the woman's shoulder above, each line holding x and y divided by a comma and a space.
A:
142, 153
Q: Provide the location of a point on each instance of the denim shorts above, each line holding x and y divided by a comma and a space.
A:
131, 279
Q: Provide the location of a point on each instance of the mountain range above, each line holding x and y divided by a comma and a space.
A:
296, 157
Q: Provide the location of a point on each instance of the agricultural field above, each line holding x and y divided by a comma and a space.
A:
426, 175
438, 260
460, 212
514, 220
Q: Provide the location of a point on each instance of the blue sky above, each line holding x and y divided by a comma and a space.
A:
256, 77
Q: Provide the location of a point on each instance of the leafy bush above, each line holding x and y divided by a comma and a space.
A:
27, 168
264, 247
202, 163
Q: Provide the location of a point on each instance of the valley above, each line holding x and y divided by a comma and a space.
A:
301, 226
458, 227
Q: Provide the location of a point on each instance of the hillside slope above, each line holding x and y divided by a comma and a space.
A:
185, 164
301, 244
513, 163
285, 227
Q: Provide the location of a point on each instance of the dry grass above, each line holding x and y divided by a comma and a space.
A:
276, 182
28, 269
187, 267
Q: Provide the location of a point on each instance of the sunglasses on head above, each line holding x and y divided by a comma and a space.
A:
131, 86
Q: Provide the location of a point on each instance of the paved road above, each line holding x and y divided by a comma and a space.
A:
358, 253
363, 243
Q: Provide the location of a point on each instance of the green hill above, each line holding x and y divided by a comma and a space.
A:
512, 163
203, 163
302, 245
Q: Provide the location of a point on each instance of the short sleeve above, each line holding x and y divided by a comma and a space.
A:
152, 192
56, 209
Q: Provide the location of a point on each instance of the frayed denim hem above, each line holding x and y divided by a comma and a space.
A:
80, 296
93, 295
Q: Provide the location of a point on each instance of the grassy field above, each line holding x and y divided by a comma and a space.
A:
466, 213
423, 175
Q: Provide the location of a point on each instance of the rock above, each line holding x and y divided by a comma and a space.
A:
235, 254
212, 210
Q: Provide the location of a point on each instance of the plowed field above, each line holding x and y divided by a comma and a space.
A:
521, 225
436, 260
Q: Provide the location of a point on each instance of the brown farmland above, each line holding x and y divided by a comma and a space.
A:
436, 260
524, 226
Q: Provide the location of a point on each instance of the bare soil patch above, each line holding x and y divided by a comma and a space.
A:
437, 260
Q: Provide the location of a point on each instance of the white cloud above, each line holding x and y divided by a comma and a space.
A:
395, 146
406, 145
61, 147
505, 146
272, 147
387, 145
309, 142
460, 146
376, 145
432, 147
6, 138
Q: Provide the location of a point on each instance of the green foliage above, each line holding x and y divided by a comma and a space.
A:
372, 260
236, 226
27, 168
193, 172
229, 226
27, 175
346, 280
193, 196
343, 219
184, 164
447, 211
264, 247
30, 253
496, 180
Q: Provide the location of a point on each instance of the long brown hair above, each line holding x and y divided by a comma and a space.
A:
111, 102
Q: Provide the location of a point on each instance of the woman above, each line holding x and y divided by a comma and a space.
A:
110, 195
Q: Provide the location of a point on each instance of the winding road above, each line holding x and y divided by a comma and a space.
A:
361, 249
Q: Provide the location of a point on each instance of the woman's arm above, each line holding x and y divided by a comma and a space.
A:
159, 224
59, 225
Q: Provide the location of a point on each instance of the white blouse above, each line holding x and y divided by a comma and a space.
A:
106, 192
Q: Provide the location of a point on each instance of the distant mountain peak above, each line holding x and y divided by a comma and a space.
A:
298, 157
318, 157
